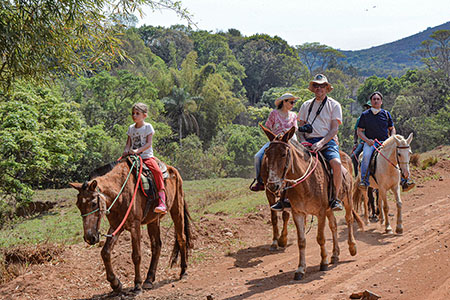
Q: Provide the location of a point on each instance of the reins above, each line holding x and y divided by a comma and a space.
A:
108, 210
396, 156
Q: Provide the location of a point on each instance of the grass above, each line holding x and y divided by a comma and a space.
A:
62, 224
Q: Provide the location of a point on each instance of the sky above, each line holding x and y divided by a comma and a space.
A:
341, 24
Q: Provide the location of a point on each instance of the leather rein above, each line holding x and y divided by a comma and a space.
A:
396, 156
294, 182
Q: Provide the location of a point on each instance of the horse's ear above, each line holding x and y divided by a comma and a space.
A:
269, 133
93, 185
287, 136
409, 139
76, 185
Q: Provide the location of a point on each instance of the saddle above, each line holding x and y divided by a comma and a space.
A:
148, 185
326, 166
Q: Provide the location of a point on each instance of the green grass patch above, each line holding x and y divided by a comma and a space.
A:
63, 224
429, 162
230, 196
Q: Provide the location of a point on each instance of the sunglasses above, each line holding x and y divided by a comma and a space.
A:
316, 85
291, 101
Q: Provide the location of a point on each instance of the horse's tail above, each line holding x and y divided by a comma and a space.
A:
187, 225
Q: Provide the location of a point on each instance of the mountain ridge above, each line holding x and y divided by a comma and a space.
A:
393, 58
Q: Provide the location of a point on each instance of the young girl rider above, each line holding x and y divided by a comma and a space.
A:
139, 142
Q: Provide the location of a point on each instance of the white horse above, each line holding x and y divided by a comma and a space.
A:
392, 162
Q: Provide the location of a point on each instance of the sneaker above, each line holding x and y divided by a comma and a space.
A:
336, 205
161, 208
281, 205
258, 187
408, 185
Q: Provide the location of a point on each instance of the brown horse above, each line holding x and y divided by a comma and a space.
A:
284, 162
95, 196
392, 163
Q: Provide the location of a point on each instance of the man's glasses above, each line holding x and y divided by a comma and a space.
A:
316, 85
291, 102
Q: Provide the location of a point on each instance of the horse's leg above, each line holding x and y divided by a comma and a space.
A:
136, 256
396, 191
320, 231
366, 206
349, 220
115, 283
274, 221
383, 196
282, 240
155, 240
299, 220
180, 238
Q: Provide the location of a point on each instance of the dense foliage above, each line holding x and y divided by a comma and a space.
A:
206, 92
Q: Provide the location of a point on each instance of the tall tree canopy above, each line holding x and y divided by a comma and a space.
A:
46, 38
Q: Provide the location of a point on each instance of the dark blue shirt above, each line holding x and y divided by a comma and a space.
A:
376, 126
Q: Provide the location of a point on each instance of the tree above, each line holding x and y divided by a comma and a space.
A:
180, 107
40, 141
435, 53
317, 56
44, 39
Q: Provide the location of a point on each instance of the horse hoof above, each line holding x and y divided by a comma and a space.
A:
282, 243
299, 276
323, 267
183, 275
334, 260
352, 250
118, 288
137, 289
273, 247
399, 230
147, 285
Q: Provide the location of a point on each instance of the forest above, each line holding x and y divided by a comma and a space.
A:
70, 75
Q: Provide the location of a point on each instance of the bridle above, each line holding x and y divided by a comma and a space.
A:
307, 173
396, 156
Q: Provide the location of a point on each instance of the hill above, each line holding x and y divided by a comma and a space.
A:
393, 58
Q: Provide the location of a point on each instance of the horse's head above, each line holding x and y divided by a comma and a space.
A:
92, 205
403, 153
276, 159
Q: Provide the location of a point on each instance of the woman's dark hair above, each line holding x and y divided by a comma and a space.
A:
376, 93
280, 105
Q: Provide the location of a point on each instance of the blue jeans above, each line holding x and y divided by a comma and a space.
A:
330, 152
367, 154
258, 161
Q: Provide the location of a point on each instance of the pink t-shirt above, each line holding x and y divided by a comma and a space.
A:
280, 124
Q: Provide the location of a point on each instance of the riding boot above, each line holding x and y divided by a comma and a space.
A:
161, 208
281, 204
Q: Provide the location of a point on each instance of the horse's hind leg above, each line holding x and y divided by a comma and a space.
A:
155, 240
180, 240
115, 283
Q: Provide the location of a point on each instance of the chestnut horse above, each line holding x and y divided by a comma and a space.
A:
283, 162
392, 162
95, 196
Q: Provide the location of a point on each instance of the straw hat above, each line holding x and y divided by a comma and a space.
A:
319, 79
285, 96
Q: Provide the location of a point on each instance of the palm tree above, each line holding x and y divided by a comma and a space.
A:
180, 107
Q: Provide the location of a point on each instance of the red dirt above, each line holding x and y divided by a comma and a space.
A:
234, 262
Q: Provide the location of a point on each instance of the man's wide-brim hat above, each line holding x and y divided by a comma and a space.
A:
285, 96
320, 79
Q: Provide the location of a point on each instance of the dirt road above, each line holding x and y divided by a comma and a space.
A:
233, 261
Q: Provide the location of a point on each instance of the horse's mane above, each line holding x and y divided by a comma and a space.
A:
100, 171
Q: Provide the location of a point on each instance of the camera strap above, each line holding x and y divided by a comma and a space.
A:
318, 110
